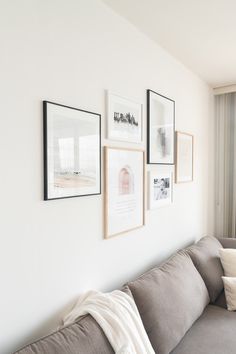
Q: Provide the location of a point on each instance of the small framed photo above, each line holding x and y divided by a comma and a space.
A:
124, 188
184, 157
160, 189
124, 119
160, 129
72, 152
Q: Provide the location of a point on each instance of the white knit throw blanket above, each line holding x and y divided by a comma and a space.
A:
118, 316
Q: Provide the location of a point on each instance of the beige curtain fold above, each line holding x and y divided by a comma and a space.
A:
225, 174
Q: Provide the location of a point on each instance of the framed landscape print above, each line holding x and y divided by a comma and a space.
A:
124, 190
160, 189
124, 119
184, 157
160, 129
72, 152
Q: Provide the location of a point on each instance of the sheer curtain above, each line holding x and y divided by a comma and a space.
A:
225, 176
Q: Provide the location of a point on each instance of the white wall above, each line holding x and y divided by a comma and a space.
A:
69, 51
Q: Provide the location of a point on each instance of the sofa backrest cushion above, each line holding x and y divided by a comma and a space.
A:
227, 242
170, 298
205, 255
84, 336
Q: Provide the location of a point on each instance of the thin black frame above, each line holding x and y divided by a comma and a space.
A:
45, 148
148, 129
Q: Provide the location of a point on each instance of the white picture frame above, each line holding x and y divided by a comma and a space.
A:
124, 119
184, 157
124, 190
160, 189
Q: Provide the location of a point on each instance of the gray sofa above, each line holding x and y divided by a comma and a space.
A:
181, 303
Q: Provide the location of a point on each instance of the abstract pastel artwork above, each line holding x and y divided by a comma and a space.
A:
160, 129
184, 157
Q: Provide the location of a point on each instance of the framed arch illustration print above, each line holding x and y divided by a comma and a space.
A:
160, 129
124, 190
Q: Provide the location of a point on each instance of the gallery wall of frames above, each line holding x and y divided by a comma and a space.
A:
72, 157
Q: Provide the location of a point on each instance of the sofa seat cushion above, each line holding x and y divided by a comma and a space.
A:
84, 336
205, 255
170, 299
212, 333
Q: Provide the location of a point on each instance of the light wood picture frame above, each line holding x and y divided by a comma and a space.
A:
124, 190
184, 157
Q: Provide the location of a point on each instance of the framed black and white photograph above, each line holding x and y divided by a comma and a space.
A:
72, 152
124, 119
184, 157
160, 189
160, 129
124, 190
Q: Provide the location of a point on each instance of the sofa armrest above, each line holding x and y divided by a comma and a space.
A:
228, 242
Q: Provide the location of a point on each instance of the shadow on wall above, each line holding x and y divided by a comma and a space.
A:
46, 327
162, 259
155, 262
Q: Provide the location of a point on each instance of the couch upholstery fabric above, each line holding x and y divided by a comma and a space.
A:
83, 337
206, 258
221, 300
228, 242
212, 333
170, 299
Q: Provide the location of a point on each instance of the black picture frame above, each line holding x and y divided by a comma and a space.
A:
48, 195
151, 159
